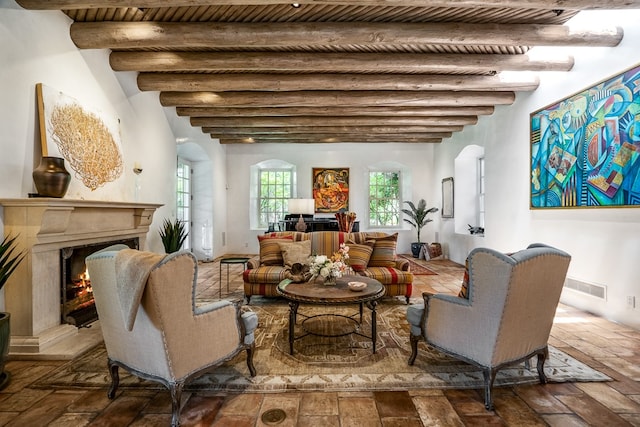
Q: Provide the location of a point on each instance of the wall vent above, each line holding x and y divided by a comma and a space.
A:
224, 238
598, 291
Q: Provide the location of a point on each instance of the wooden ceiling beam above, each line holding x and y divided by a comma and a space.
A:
351, 129
333, 111
178, 82
336, 99
187, 35
349, 135
335, 139
248, 122
516, 4
338, 96
332, 62
354, 136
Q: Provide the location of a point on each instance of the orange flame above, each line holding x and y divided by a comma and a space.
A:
85, 280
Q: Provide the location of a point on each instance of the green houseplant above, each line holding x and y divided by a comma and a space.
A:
418, 218
173, 235
8, 263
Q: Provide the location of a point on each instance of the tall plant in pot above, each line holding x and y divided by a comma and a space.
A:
418, 218
8, 263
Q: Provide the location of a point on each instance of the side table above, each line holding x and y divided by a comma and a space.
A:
229, 261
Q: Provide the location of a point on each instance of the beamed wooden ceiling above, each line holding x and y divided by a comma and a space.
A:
263, 71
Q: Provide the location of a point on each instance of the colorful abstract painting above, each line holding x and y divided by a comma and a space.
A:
585, 149
331, 189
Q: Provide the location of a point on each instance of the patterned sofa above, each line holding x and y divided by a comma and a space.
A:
265, 271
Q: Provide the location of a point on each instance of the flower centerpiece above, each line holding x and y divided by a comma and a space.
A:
330, 268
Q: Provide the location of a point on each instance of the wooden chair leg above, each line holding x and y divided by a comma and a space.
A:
414, 348
115, 379
250, 352
489, 376
542, 357
176, 396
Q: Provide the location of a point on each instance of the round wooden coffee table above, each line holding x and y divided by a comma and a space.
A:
338, 294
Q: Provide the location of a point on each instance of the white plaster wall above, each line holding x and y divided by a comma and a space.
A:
358, 157
604, 243
35, 47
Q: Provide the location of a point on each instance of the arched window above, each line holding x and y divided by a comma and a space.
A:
388, 183
273, 183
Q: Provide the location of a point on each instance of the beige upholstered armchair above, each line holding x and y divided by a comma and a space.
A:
151, 325
507, 318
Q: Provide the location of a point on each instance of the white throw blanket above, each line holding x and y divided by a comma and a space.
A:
132, 270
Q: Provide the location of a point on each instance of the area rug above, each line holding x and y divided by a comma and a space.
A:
332, 364
416, 268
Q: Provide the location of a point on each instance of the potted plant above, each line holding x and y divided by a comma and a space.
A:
8, 263
418, 218
173, 235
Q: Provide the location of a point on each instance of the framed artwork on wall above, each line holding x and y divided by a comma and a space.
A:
330, 189
87, 139
447, 197
585, 149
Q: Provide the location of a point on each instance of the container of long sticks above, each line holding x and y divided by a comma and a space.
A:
345, 221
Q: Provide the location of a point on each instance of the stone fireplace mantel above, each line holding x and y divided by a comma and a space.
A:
44, 226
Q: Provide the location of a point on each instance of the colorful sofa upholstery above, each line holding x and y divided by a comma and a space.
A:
265, 271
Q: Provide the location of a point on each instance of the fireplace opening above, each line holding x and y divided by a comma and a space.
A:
77, 305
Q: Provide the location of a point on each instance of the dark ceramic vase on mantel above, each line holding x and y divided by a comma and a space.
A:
51, 177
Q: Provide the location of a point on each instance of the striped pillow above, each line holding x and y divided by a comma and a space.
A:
359, 255
270, 253
464, 288
384, 251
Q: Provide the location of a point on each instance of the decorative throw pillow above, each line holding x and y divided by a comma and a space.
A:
359, 255
270, 253
384, 251
464, 289
295, 252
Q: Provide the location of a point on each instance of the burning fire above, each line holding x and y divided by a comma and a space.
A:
84, 281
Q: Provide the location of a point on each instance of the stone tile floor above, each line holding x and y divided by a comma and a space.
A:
609, 347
